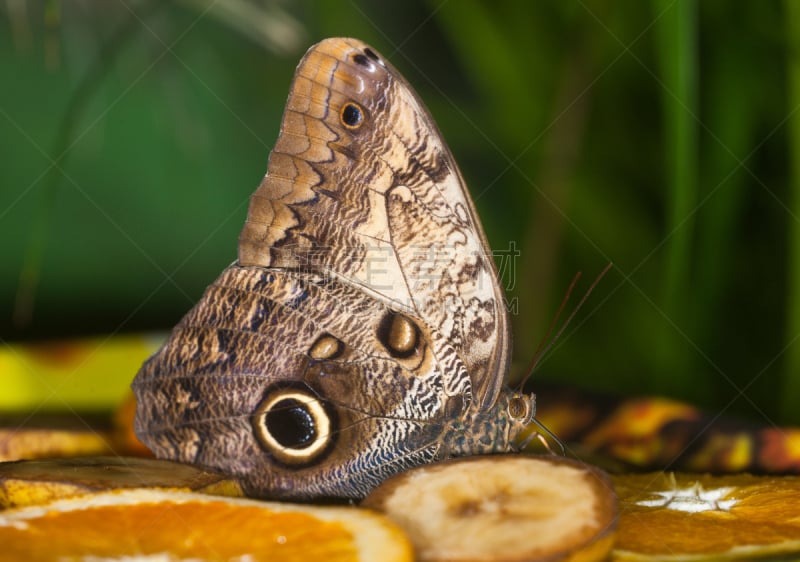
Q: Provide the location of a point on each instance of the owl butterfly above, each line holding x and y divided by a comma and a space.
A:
362, 330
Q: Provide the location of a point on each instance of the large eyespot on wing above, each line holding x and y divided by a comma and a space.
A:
294, 426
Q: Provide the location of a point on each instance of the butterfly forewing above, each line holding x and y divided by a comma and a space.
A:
380, 203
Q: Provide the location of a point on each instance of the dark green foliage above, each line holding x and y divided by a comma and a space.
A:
662, 136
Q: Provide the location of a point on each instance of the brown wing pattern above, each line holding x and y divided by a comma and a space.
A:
256, 333
361, 186
362, 330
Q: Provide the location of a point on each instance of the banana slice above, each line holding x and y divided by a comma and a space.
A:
503, 508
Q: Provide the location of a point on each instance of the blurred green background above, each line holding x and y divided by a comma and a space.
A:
662, 136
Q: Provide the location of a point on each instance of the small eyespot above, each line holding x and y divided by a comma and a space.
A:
326, 347
351, 115
362, 60
371, 54
293, 426
399, 335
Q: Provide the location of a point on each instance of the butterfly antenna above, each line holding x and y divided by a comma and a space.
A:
540, 436
544, 346
547, 341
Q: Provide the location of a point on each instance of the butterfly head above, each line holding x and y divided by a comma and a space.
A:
497, 429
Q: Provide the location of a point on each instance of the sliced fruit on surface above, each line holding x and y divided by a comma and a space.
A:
674, 516
124, 435
16, 444
36, 482
170, 525
503, 507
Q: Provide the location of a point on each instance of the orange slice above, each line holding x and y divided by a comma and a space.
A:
39, 481
503, 507
124, 435
170, 525
668, 516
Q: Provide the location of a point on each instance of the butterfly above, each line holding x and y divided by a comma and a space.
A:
362, 330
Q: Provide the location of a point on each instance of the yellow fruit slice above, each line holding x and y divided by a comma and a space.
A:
85, 374
503, 507
669, 516
170, 525
63, 435
16, 444
40, 481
